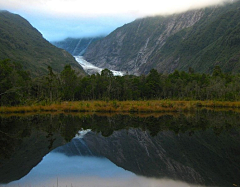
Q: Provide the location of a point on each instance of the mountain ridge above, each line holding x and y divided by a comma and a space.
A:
24, 44
166, 42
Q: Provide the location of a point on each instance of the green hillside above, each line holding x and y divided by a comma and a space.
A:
200, 39
22, 43
214, 41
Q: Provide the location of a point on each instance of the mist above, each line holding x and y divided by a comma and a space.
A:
59, 19
105, 8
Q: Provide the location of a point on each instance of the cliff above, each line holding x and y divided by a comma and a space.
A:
199, 39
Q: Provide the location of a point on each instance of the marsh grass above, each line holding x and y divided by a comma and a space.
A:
152, 106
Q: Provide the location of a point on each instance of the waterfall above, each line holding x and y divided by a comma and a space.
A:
74, 51
83, 51
84, 147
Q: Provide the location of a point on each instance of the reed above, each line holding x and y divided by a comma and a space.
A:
124, 106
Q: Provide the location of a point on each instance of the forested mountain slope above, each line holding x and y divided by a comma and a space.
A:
200, 39
22, 43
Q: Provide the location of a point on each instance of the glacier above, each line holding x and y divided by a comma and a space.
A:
91, 69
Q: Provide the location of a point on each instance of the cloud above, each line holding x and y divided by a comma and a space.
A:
59, 19
95, 8
55, 29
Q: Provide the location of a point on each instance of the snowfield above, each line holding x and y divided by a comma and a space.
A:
91, 69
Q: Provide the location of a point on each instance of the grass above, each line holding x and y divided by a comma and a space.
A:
151, 106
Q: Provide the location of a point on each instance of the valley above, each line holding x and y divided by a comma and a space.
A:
155, 102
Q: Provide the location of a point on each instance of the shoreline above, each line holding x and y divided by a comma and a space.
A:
151, 106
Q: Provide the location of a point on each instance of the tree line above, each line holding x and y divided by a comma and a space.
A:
18, 87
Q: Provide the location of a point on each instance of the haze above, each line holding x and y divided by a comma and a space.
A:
59, 19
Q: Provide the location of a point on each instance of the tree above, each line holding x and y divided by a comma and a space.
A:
69, 83
14, 83
190, 70
52, 85
217, 71
106, 83
153, 84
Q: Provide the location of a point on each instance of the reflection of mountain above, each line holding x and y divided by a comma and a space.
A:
209, 156
76, 147
27, 154
24, 142
202, 158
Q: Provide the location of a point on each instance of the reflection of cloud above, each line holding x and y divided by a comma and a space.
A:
134, 181
86, 171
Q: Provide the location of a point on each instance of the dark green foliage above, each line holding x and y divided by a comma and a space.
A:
69, 83
16, 86
14, 83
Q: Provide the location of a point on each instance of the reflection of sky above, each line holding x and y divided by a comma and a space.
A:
57, 169
57, 165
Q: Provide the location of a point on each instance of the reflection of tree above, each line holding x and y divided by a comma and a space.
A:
11, 134
201, 121
7, 144
51, 140
14, 129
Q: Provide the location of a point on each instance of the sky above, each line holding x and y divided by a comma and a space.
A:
59, 19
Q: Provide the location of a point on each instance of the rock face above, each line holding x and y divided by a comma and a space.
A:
130, 47
165, 43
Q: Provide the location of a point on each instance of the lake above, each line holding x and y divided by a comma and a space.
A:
111, 150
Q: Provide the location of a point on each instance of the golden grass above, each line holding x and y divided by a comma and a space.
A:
152, 106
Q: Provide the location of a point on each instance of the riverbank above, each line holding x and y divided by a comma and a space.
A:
125, 106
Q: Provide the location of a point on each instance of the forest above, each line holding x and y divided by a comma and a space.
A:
17, 87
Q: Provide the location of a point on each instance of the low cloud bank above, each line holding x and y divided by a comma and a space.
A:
59, 19
94, 8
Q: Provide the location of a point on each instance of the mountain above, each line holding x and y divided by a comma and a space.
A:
200, 39
78, 47
75, 46
22, 43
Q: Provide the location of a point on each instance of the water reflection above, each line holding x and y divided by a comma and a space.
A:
201, 148
72, 170
57, 169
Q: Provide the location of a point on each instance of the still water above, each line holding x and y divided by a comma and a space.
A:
75, 150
